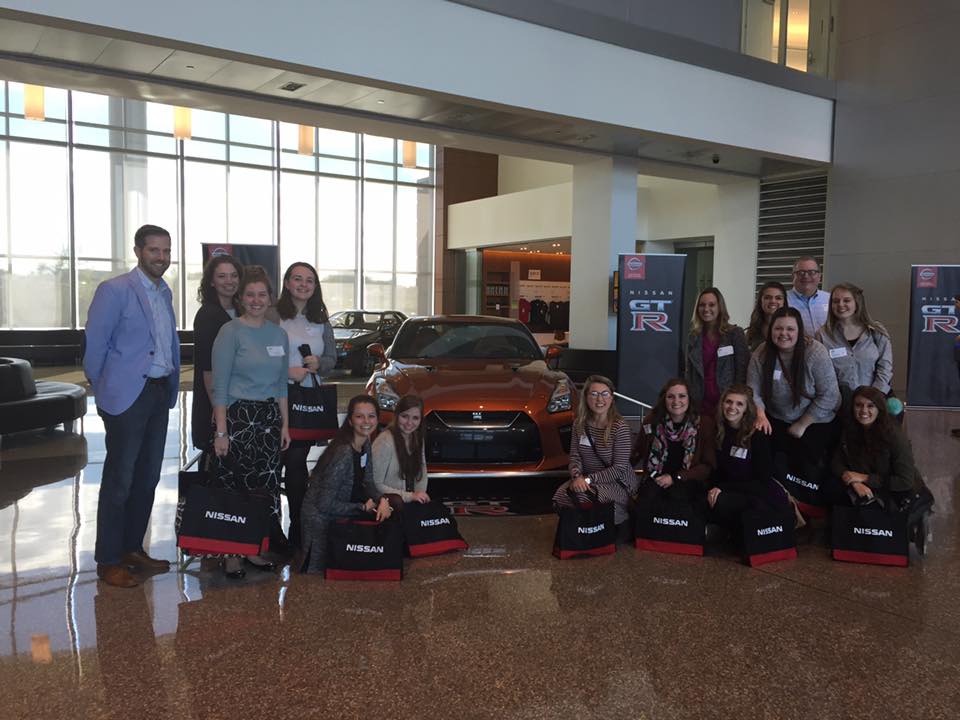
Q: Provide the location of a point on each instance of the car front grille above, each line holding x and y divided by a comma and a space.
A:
485, 438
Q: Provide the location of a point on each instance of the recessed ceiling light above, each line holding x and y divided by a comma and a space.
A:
292, 86
380, 102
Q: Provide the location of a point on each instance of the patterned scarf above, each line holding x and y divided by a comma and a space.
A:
666, 432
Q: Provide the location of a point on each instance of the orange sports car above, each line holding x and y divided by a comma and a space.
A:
492, 406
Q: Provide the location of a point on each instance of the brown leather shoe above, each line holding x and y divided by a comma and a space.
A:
143, 561
116, 575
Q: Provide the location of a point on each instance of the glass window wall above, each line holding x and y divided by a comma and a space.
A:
75, 186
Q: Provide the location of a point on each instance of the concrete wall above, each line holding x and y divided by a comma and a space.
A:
715, 22
896, 175
666, 210
519, 174
531, 68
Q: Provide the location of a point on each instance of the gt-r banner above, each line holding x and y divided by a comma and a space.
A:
932, 368
649, 318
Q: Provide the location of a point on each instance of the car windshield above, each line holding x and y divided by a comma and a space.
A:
462, 340
355, 320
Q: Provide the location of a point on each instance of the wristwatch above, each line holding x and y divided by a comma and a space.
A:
219, 434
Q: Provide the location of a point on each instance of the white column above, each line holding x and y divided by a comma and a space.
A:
735, 247
604, 226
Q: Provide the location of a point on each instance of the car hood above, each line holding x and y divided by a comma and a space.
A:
460, 383
349, 333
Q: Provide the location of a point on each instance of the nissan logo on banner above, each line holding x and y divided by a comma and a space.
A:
635, 267
926, 277
649, 318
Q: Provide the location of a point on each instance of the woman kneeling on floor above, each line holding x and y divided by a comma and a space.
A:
674, 449
341, 484
875, 463
399, 457
600, 456
743, 479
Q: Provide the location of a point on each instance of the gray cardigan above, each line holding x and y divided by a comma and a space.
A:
386, 468
327, 499
731, 368
868, 362
820, 389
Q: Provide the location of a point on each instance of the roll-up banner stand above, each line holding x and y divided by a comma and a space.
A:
932, 368
264, 255
649, 318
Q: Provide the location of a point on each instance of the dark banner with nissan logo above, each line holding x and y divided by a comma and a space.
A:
934, 329
649, 321
263, 255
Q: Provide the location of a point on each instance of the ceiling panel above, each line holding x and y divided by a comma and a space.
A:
336, 92
310, 84
398, 104
132, 56
69, 45
244, 76
19, 37
190, 66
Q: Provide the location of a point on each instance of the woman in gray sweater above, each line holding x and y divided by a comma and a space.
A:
341, 484
859, 347
796, 393
399, 459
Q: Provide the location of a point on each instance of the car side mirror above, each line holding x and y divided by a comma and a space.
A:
376, 351
553, 356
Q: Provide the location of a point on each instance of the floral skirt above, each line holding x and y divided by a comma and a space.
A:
252, 463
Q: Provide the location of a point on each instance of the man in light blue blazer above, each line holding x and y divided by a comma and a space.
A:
132, 361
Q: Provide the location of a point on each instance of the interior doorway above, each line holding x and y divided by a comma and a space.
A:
698, 272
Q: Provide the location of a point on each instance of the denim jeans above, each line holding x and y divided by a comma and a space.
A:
135, 440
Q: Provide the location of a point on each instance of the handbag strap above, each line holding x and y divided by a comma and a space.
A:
605, 464
316, 380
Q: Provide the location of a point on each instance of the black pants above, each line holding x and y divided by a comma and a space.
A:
295, 483
809, 456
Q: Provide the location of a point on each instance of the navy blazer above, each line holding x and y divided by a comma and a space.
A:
120, 343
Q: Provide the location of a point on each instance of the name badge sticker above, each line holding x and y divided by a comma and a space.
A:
584, 440
725, 350
838, 352
648, 430
738, 452
363, 460
275, 350
778, 374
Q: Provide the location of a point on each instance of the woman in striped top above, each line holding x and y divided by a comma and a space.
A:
600, 456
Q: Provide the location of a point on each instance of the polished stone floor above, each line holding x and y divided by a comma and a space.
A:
502, 631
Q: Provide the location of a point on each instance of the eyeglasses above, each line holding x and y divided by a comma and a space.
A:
806, 273
597, 395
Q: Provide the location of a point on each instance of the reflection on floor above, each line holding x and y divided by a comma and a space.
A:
503, 631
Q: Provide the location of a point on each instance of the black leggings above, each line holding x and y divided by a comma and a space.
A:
295, 483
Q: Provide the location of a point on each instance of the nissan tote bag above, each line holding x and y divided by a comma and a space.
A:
430, 529
216, 521
312, 411
365, 550
670, 526
869, 534
768, 536
585, 530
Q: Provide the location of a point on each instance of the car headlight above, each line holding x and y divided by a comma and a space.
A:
561, 399
387, 397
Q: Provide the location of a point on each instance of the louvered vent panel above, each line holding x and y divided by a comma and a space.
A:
793, 215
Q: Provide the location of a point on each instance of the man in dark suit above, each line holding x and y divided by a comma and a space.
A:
132, 361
